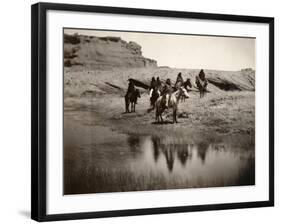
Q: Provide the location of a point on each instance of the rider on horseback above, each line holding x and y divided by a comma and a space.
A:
201, 79
201, 82
167, 91
179, 78
179, 81
158, 83
153, 83
131, 87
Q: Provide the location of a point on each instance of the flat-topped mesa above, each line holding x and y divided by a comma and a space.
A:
103, 53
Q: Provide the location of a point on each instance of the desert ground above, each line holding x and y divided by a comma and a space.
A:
107, 150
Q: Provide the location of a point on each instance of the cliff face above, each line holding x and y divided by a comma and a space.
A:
103, 53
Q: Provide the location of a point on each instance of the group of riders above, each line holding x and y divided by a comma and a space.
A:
157, 88
166, 89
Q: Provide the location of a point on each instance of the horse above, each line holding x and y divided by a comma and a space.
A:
186, 84
174, 101
201, 85
132, 98
153, 96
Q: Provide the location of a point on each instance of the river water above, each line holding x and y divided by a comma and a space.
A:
98, 159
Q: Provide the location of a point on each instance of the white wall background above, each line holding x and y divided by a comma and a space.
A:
15, 110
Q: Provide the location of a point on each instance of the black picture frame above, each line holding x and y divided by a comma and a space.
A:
39, 122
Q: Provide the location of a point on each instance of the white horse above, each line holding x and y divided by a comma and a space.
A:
173, 103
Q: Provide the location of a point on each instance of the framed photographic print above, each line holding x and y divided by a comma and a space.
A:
139, 111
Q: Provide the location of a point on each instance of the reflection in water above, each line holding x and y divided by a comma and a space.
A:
107, 161
170, 151
182, 151
202, 148
195, 164
184, 154
156, 149
170, 158
134, 144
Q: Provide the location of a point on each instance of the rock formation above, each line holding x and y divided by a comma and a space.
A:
103, 53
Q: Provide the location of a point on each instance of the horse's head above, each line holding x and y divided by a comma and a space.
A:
188, 83
184, 92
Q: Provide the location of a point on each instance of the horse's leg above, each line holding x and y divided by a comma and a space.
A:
134, 107
126, 105
175, 115
157, 119
174, 119
156, 115
160, 115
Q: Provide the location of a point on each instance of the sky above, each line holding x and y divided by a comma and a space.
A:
188, 51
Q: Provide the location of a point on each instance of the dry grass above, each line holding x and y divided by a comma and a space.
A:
101, 180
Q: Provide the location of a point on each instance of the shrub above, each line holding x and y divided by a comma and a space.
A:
109, 38
71, 39
68, 54
67, 63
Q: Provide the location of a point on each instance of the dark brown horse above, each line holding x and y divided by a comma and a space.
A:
132, 98
187, 83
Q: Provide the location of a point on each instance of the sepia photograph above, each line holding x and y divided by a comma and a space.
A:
157, 111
